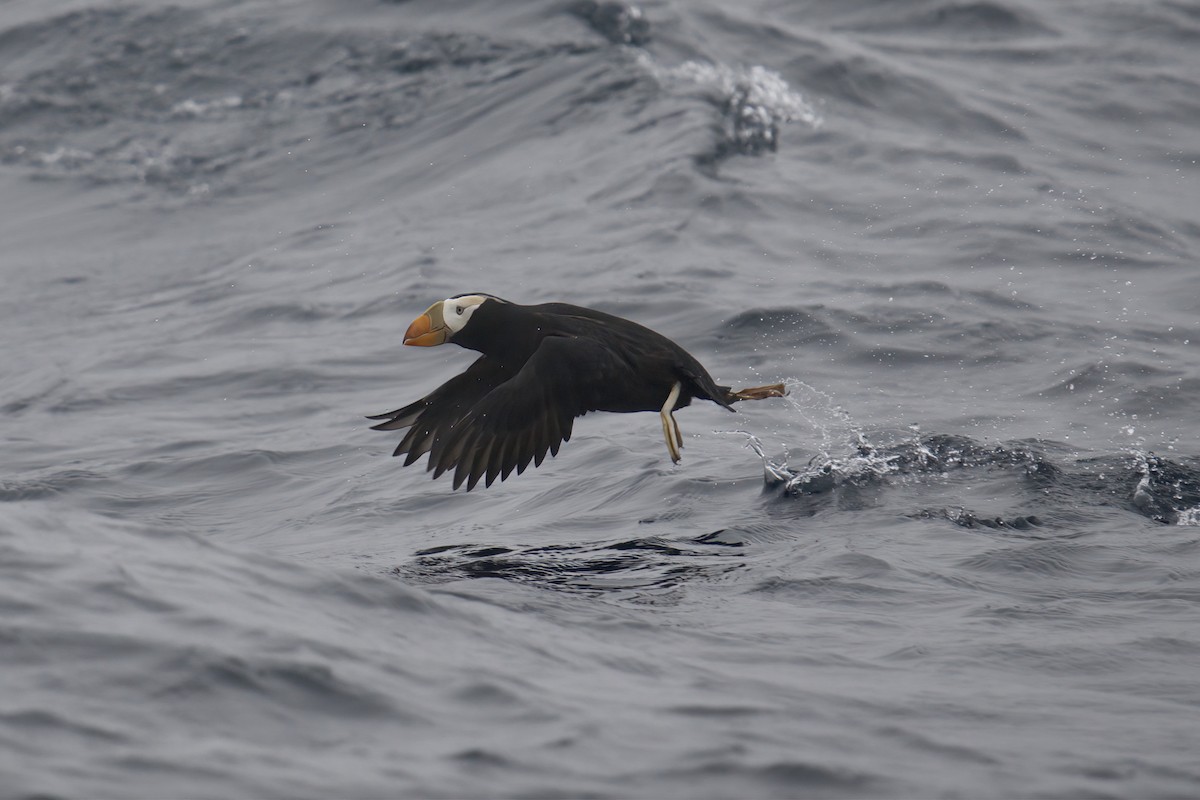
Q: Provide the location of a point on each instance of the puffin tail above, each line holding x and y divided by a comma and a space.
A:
758, 392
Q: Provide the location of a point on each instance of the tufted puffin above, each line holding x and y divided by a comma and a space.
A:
541, 367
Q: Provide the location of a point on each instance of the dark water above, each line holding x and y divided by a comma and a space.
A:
964, 233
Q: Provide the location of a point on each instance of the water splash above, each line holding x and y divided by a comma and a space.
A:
755, 101
844, 453
1189, 517
1141, 482
822, 474
1165, 490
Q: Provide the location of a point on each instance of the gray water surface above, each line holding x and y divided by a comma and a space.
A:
960, 559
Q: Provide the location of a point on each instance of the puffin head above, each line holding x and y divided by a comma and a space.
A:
445, 318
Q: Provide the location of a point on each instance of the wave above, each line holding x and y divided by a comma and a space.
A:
1164, 490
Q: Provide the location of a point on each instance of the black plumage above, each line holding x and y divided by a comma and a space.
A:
541, 367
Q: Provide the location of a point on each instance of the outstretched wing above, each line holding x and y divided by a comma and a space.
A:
435, 415
528, 415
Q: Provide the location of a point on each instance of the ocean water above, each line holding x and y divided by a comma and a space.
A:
960, 559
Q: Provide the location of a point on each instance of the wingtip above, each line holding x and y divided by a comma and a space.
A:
386, 414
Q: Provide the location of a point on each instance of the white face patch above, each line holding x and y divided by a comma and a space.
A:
458, 310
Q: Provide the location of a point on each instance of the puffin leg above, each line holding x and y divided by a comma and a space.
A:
668, 421
759, 392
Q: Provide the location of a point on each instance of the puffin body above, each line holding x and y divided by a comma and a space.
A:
541, 366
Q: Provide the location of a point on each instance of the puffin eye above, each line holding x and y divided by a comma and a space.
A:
459, 310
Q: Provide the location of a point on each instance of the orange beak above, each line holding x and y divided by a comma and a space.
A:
428, 329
